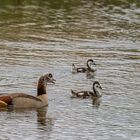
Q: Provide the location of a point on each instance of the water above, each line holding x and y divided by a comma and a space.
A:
40, 37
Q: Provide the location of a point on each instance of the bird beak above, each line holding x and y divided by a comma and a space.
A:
100, 87
53, 81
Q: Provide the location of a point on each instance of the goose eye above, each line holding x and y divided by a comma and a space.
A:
50, 75
98, 86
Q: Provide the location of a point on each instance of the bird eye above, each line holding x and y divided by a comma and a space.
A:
98, 86
50, 75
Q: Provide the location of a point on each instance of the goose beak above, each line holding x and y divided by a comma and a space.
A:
53, 81
49, 78
100, 87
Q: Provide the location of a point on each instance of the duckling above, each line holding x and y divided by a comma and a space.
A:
22, 100
86, 94
90, 62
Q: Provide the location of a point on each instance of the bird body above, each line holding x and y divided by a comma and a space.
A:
22, 100
87, 94
90, 62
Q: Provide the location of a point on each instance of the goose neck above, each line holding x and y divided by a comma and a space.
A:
41, 88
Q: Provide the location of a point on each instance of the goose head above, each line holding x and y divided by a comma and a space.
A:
96, 88
48, 78
90, 62
42, 83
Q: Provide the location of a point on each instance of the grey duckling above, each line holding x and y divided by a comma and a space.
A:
90, 62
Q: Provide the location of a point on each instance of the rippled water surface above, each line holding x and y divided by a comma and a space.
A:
37, 37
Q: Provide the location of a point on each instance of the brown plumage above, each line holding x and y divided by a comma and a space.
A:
22, 100
3, 104
6, 98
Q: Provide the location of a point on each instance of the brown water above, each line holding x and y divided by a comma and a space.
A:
38, 37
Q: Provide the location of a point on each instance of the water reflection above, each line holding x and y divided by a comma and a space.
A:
22, 122
43, 20
41, 115
96, 102
48, 36
67, 4
90, 75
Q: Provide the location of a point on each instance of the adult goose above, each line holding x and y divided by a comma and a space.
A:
22, 100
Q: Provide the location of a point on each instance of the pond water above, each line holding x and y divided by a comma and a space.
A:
37, 37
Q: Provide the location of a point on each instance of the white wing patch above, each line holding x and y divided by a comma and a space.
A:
81, 93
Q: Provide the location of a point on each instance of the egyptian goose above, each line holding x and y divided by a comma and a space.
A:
22, 100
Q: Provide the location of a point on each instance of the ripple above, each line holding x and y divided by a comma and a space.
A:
48, 37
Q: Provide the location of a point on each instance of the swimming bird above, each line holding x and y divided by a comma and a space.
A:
85, 94
22, 100
90, 62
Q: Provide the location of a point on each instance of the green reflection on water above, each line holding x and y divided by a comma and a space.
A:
66, 4
37, 19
